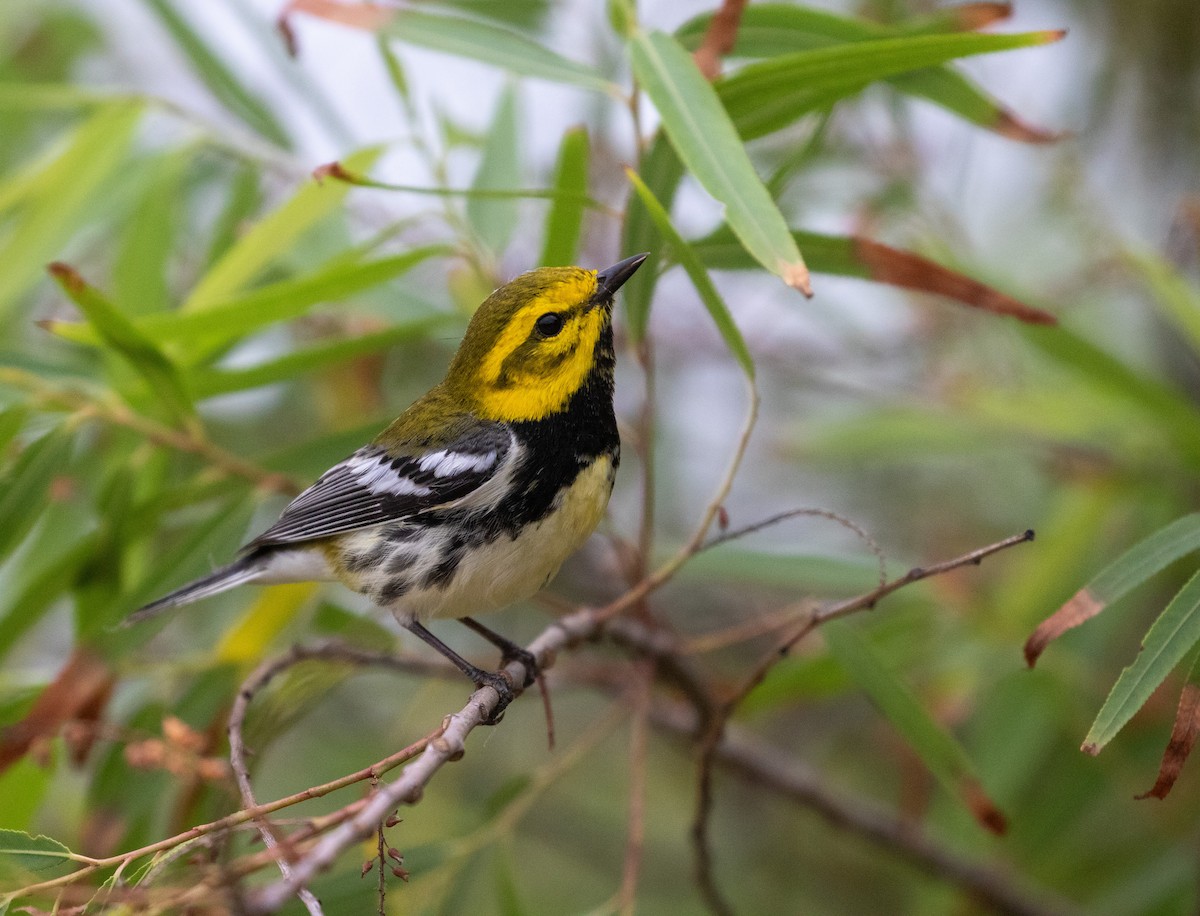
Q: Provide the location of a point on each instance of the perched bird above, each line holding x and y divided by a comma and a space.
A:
477, 493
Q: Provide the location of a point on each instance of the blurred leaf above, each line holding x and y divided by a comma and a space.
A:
661, 172
44, 576
23, 788
765, 96
140, 272
207, 383
1116, 580
854, 256
1177, 418
1170, 638
237, 316
1176, 298
701, 133
123, 336
219, 78
1184, 732
23, 488
249, 638
936, 747
55, 198
564, 222
698, 275
20, 852
770, 30
79, 692
241, 203
271, 236
470, 38
51, 96
499, 167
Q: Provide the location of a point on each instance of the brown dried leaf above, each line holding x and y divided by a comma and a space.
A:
1082, 607
366, 16
1009, 125
1183, 739
79, 692
720, 38
985, 811
911, 271
972, 16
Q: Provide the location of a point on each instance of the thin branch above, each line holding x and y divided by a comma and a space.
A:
638, 749
702, 848
117, 413
764, 766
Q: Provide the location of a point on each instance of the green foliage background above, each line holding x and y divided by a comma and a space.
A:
228, 327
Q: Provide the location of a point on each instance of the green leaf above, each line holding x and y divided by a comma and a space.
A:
769, 30
21, 852
1168, 641
765, 96
23, 488
1176, 298
698, 275
140, 272
494, 220
55, 200
661, 172
853, 256
936, 747
311, 359
706, 141
493, 44
564, 222
272, 236
123, 336
219, 78
234, 318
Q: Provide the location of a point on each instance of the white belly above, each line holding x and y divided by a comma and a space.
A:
496, 574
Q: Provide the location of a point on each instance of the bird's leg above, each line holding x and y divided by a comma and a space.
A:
498, 682
509, 650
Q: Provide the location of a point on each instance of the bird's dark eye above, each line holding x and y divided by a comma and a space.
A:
549, 324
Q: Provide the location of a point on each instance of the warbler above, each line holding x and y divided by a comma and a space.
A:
475, 495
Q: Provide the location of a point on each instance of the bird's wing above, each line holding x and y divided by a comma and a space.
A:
372, 487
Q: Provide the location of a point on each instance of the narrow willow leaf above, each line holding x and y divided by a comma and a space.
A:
23, 487
51, 97
473, 39
251, 636
767, 95
854, 256
564, 222
312, 359
242, 200
1184, 732
123, 336
1177, 299
219, 78
234, 318
140, 271
272, 236
58, 198
701, 132
1170, 638
937, 748
661, 171
770, 30
494, 220
697, 274
1178, 418
21, 852
1127, 572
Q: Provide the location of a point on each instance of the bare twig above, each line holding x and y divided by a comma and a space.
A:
638, 746
702, 849
117, 413
751, 759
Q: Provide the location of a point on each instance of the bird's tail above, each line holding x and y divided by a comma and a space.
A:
239, 572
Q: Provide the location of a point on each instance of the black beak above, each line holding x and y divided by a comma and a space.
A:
609, 280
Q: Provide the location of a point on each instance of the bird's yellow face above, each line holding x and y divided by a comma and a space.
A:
532, 344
